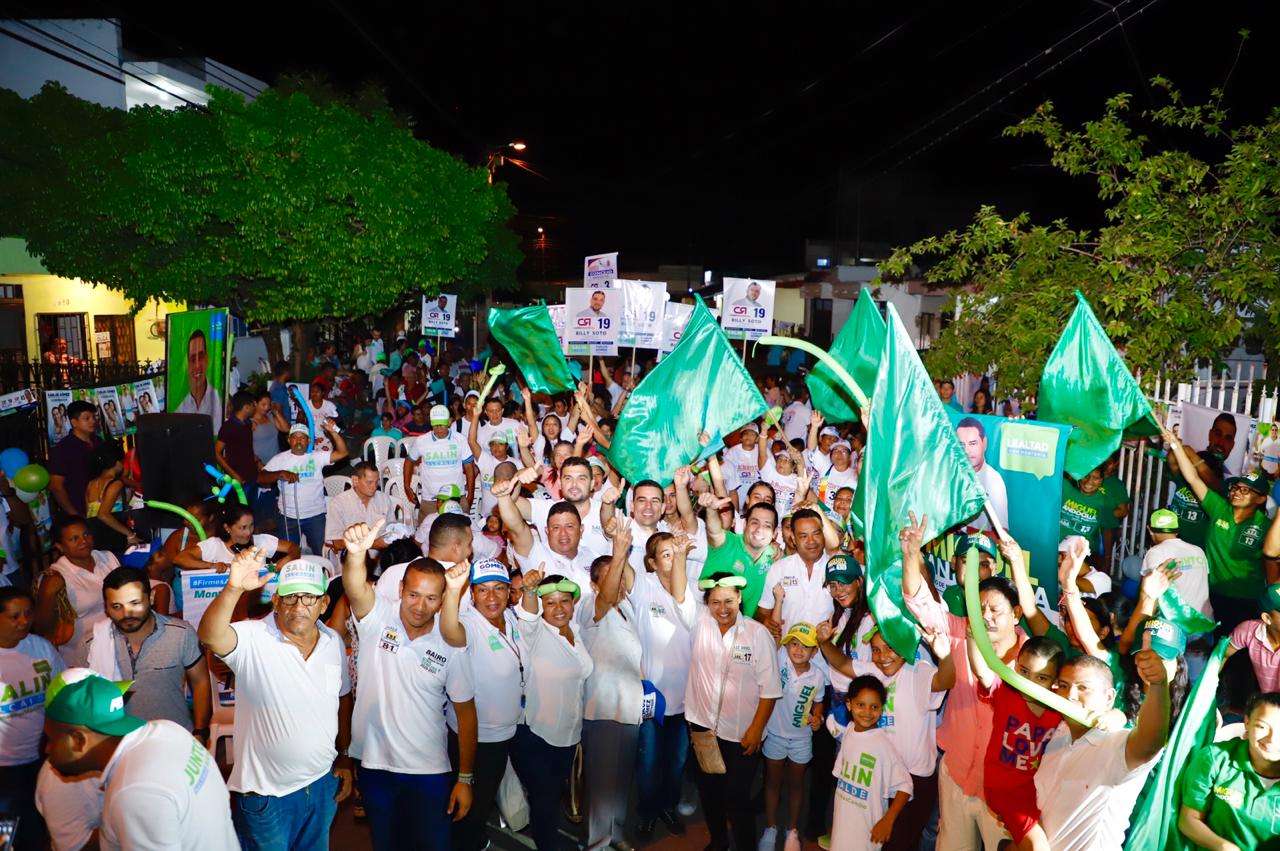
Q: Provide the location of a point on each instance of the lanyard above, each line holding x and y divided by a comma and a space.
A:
515, 650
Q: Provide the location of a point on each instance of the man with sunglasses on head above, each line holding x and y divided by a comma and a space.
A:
293, 706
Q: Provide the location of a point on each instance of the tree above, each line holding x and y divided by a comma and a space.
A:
283, 209
1186, 264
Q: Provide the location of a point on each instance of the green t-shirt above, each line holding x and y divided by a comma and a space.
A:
1118, 679
953, 599
1193, 523
732, 557
1082, 514
1234, 549
1116, 495
1220, 782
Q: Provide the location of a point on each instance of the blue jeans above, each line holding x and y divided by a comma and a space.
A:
406, 810
298, 821
309, 528
660, 759
543, 769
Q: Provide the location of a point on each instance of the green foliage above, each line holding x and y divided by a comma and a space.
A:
287, 208
1186, 265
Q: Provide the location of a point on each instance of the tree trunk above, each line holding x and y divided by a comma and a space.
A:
275, 350
299, 348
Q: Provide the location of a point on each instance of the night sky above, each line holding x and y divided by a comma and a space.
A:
724, 134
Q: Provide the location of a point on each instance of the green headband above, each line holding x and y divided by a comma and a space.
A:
722, 582
567, 586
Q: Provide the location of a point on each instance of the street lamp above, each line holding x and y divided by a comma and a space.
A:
497, 157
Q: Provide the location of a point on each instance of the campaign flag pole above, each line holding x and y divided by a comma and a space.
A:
633, 361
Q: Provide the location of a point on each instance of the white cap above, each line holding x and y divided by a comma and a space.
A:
1064, 546
842, 444
439, 415
751, 427
299, 428
829, 431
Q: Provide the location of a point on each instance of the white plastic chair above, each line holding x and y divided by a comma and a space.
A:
223, 722
378, 449
395, 493
334, 485
391, 470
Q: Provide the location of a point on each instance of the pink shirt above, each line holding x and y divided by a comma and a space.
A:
966, 720
1252, 635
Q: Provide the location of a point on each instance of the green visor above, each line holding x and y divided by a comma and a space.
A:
722, 582
568, 586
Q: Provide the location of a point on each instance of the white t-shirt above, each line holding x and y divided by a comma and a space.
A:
439, 462
286, 707
784, 487
326, 411
858, 649
613, 691
593, 537
830, 482
497, 669
486, 464
1193, 584
162, 790
216, 551
84, 590
71, 806
577, 568
399, 724
556, 676
1086, 791
747, 464
746, 653
914, 729
511, 427
790, 718
666, 637
795, 421
805, 595
1100, 581
304, 498
25, 672
869, 773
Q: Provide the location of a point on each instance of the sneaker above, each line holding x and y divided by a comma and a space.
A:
673, 823
824, 842
768, 839
687, 808
792, 842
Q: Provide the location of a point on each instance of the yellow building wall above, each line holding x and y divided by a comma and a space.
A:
788, 306
51, 294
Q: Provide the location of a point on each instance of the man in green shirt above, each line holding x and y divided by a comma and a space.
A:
1083, 508
953, 595
749, 555
1230, 794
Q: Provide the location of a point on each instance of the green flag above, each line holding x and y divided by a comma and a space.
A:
701, 386
913, 463
1085, 384
857, 348
1154, 823
530, 337
1173, 608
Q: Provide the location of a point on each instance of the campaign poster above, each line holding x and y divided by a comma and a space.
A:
675, 317
438, 315
197, 361
144, 395
642, 313
1228, 436
295, 410
1019, 465
556, 312
128, 407
108, 401
747, 312
592, 321
55, 408
17, 400
197, 588
599, 271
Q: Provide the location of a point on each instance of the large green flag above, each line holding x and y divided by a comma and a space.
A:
1154, 823
530, 336
913, 463
1085, 384
701, 386
857, 348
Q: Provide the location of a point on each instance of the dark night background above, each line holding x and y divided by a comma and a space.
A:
723, 134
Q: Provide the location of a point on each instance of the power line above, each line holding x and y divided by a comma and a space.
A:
70, 61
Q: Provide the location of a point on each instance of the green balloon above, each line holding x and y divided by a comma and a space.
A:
32, 478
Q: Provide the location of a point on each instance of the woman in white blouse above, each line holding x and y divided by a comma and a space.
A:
542, 750
733, 684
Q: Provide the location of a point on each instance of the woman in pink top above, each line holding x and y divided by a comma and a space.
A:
964, 822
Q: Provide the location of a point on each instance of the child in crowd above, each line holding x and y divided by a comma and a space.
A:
872, 781
788, 742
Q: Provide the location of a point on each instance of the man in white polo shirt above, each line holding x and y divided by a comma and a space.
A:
801, 578
161, 787
560, 550
575, 489
438, 459
293, 706
407, 672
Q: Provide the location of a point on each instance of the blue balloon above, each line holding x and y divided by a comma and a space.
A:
476, 366
12, 460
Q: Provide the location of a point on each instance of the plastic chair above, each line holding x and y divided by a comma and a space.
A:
334, 485
395, 493
222, 724
391, 470
378, 449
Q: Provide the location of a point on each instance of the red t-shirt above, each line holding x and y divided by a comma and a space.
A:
1018, 738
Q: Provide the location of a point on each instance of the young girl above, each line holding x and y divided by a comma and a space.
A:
781, 469
869, 771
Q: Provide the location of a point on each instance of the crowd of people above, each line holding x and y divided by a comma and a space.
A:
489, 625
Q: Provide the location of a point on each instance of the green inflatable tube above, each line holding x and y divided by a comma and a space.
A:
181, 512
825, 357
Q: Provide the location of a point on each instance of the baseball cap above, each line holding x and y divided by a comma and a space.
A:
1255, 482
302, 576
1167, 638
841, 444
452, 507
596, 461
498, 436
843, 568
299, 428
1270, 601
472, 394
1163, 520
751, 427
489, 570
80, 697
450, 491
982, 542
802, 632
829, 431
439, 415
1064, 546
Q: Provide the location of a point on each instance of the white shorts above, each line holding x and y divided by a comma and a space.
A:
798, 750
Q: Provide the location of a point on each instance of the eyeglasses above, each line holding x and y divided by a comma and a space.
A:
299, 599
722, 582
564, 586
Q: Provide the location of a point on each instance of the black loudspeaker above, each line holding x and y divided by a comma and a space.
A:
172, 451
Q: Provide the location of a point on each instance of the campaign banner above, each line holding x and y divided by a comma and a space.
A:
1227, 436
295, 410
556, 311
675, 317
592, 321
144, 393
438, 315
197, 361
1019, 464
599, 271
108, 402
55, 407
11, 402
642, 313
197, 588
747, 312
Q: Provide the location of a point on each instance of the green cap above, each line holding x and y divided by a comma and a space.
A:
1165, 637
982, 542
81, 698
1270, 601
449, 491
1255, 482
843, 568
1163, 520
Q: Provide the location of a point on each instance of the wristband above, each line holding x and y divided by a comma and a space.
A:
465, 777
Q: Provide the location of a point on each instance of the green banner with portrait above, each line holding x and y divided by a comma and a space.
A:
197, 362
